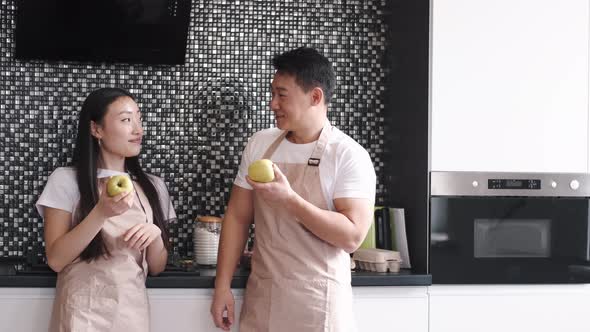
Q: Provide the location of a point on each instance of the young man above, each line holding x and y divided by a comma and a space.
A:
315, 212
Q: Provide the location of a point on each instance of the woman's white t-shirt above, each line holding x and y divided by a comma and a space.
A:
346, 170
61, 192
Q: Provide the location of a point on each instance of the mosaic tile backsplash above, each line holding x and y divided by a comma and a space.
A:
197, 116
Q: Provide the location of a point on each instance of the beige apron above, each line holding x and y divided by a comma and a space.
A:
298, 281
107, 294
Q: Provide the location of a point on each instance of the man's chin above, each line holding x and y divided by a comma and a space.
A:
281, 124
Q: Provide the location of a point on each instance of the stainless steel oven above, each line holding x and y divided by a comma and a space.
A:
494, 228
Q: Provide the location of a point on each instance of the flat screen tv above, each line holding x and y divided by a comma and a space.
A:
132, 31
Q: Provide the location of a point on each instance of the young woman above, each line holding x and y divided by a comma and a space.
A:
103, 247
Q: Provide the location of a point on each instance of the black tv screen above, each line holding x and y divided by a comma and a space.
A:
133, 31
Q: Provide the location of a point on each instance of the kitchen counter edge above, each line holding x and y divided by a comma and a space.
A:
207, 280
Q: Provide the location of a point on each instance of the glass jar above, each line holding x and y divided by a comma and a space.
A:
206, 239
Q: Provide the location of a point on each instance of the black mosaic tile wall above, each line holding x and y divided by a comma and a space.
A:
199, 115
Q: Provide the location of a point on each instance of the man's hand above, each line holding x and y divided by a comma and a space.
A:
277, 192
223, 302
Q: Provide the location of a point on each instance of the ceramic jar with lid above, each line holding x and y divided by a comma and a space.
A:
206, 239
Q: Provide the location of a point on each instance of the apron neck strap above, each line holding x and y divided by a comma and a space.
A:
318, 151
273, 147
320, 146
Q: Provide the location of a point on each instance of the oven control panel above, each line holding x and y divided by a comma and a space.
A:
509, 184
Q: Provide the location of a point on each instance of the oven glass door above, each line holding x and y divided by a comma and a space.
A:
509, 240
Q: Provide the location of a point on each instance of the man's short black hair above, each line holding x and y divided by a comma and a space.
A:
310, 68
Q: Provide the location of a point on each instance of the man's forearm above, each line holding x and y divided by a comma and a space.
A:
231, 245
330, 226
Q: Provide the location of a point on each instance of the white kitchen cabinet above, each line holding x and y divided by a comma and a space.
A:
179, 310
509, 85
509, 308
375, 309
29, 309
25, 309
174, 309
391, 308
437, 308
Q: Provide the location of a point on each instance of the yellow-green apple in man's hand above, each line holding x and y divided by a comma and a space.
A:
261, 171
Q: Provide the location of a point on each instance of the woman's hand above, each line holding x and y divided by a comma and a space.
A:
116, 205
141, 235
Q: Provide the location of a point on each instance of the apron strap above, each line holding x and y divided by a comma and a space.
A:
313, 162
273, 147
320, 146
318, 150
143, 252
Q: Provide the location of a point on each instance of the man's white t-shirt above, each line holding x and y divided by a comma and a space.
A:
346, 170
61, 192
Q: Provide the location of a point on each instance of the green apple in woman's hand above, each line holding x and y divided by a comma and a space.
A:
119, 184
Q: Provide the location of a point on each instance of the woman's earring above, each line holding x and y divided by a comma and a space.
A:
100, 142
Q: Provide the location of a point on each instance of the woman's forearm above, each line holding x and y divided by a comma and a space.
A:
69, 246
156, 256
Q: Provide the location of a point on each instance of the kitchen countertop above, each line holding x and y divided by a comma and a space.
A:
205, 278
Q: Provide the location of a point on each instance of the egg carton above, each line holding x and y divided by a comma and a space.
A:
378, 260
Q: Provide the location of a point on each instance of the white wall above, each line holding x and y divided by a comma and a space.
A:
509, 85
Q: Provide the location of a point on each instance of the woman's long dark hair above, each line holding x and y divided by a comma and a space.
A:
85, 160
